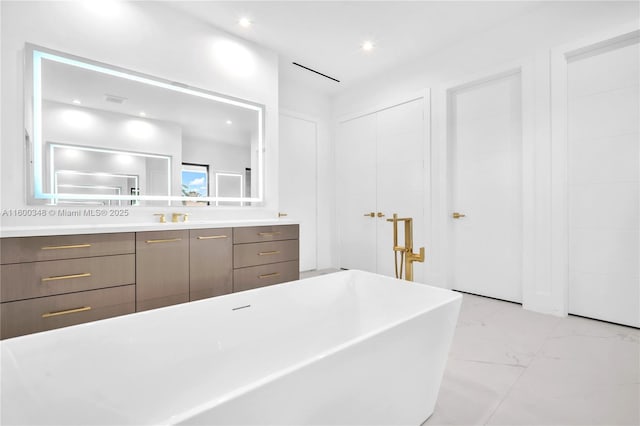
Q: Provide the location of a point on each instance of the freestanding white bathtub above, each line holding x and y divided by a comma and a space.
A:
340, 349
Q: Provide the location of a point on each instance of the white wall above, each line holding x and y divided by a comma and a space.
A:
304, 102
523, 43
146, 37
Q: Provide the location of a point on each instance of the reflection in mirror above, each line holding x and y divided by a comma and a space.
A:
195, 183
75, 170
229, 185
104, 135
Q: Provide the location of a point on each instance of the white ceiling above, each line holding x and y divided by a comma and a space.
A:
326, 35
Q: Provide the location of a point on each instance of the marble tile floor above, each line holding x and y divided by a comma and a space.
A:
509, 366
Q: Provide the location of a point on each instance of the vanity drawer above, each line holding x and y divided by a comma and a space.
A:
210, 263
32, 249
265, 275
47, 313
37, 279
262, 253
256, 234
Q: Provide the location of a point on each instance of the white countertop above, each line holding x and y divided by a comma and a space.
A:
34, 231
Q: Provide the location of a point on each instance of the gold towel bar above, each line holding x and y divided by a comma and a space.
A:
68, 311
66, 277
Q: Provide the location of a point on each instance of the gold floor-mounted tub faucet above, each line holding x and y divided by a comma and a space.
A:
407, 256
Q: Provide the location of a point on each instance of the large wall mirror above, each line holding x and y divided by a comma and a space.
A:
102, 135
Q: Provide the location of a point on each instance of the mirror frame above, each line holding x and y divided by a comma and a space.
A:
34, 55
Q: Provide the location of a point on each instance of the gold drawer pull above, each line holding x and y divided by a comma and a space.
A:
168, 240
213, 237
66, 277
275, 274
66, 247
68, 311
269, 234
268, 253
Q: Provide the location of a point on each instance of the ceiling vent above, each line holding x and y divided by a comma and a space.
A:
317, 72
114, 99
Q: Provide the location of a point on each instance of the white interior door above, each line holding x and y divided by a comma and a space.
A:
400, 179
603, 183
298, 183
485, 165
356, 193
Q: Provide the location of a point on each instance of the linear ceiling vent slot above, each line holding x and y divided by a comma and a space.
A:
317, 72
114, 99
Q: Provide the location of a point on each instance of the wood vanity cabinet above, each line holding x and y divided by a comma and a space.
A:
210, 262
162, 268
265, 255
57, 281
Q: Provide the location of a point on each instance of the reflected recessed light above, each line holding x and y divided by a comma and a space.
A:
229, 122
367, 46
76, 101
143, 114
244, 22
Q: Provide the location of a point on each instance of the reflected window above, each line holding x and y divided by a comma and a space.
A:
195, 183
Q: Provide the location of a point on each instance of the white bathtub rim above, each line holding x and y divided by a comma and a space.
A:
242, 390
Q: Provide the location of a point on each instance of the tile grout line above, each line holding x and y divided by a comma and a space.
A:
536, 353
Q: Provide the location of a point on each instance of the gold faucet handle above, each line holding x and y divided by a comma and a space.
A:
176, 216
163, 217
380, 214
372, 214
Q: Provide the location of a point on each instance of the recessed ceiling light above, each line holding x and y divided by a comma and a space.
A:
229, 122
143, 114
76, 101
367, 46
244, 22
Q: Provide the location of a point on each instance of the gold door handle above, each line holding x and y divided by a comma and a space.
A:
268, 253
275, 274
213, 237
380, 214
66, 277
268, 234
282, 214
72, 246
372, 214
457, 215
68, 311
168, 240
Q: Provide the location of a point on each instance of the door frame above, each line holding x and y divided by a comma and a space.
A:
559, 253
316, 122
525, 68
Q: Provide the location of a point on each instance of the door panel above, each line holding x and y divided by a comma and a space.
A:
485, 151
356, 192
400, 180
380, 163
298, 183
604, 184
